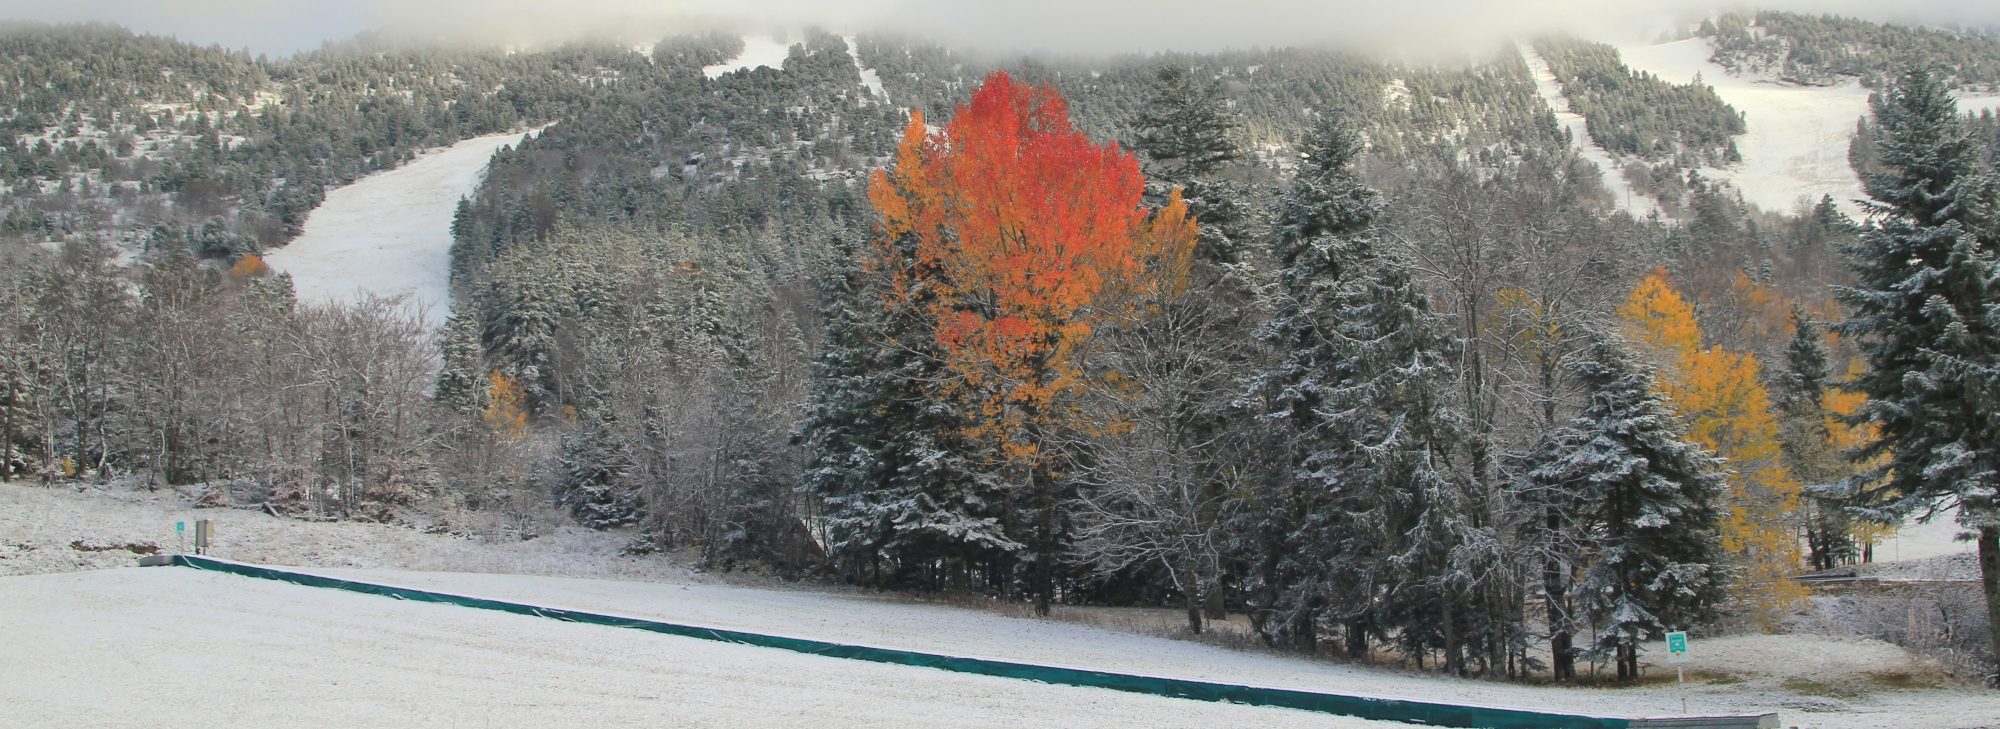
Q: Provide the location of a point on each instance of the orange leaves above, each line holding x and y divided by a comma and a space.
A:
1722, 396
506, 411
250, 266
1009, 229
1660, 318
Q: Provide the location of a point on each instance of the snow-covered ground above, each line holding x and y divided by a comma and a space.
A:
1795, 144
106, 645
1921, 541
389, 234
1631, 201
758, 50
160, 647
869, 78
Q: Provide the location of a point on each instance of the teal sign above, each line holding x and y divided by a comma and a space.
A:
1677, 646
181, 526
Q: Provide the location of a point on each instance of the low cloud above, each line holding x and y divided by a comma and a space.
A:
1059, 26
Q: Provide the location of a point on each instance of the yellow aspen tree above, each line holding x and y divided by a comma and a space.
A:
506, 412
1722, 396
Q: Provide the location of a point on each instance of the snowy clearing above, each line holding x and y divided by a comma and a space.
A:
1634, 203
175, 646
1921, 541
758, 51
389, 234
869, 78
1844, 680
1795, 144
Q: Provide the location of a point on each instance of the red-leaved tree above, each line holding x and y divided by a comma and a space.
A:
1015, 235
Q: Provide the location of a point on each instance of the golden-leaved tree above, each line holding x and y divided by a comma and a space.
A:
1728, 411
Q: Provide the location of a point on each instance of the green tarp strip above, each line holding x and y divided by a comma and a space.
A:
1414, 712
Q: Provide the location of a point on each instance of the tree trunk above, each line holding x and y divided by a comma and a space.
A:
1989, 577
1045, 541
1454, 655
1304, 637
1563, 666
1193, 610
1357, 640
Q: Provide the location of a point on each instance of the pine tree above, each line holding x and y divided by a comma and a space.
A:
1923, 315
591, 481
460, 381
1186, 127
1647, 515
1187, 133
1805, 435
887, 456
1364, 517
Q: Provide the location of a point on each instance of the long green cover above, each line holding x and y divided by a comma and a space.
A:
1414, 712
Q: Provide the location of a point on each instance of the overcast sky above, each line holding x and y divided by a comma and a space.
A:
283, 26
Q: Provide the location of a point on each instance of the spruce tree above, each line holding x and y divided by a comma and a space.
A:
461, 381
1363, 521
1646, 508
1187, 133
1185, 128
591, 481
1923, 314
1806, 441
896, 478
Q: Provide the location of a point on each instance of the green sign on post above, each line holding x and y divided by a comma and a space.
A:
1677, 654
1677, 646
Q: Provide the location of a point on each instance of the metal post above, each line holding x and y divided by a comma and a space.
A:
1681, 672
203, 531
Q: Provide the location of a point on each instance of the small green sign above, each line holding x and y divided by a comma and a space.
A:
1677, 646
181, 526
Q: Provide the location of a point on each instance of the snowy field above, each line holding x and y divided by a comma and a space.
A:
758, 50
177, 647
1632, 202
389, 234
1795, 144
272, 653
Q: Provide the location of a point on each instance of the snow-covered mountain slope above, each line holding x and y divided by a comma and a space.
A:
1631, 201
1795, 146
389, 234
758, 50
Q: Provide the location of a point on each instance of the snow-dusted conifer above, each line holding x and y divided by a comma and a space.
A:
1646, 499
461, 382
885, 452
1187, 133
1924, 315
1366, 513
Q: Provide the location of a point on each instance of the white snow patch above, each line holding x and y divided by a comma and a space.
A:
132, 647
1633, 202
869, 78
1920, 541
758, 51
389, 234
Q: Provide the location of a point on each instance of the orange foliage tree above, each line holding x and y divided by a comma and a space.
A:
250, 266
1728, 408
1013, 232
506, 406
